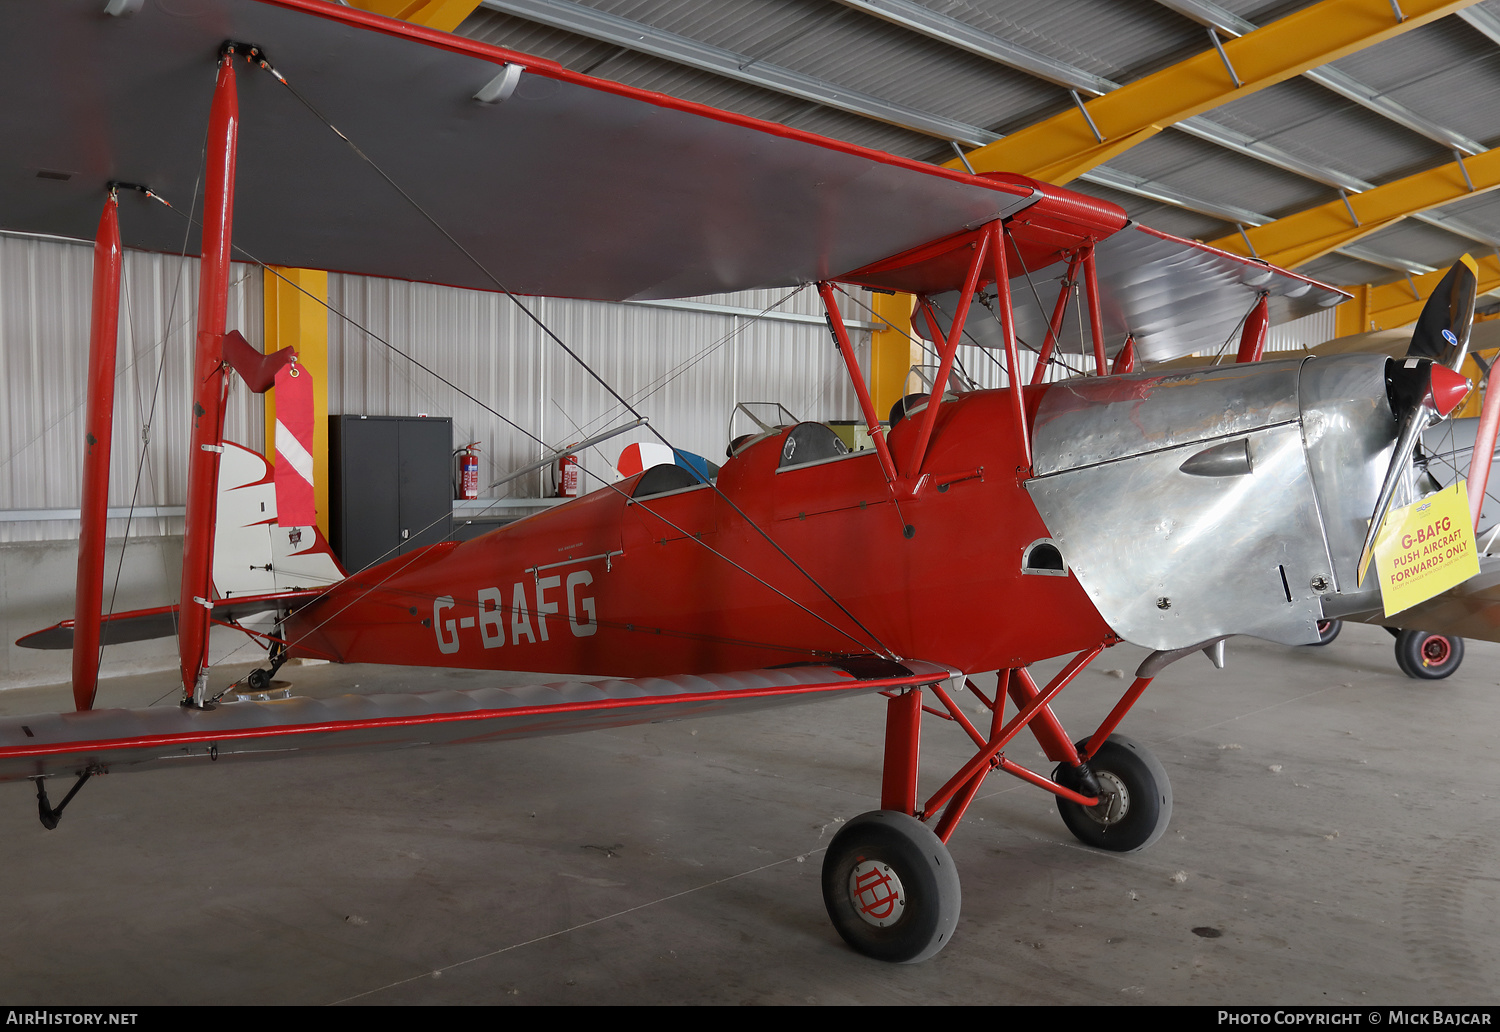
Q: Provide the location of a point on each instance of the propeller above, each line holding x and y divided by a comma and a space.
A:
1425, 386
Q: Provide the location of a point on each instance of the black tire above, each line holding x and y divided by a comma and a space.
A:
258, 680
1328, 630
1137, 799
1426, 656
890, 887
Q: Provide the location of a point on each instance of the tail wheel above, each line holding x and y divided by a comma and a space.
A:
890, 887
1135, 798
1428, 657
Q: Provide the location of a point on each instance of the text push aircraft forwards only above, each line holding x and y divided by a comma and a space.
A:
989, 529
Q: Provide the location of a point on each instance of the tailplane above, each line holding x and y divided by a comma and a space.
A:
261, 569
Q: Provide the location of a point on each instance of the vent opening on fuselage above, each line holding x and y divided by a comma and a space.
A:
1044, 557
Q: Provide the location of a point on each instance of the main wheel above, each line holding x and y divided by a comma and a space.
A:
1328, 630
1135, 798
1428, 657
890, 887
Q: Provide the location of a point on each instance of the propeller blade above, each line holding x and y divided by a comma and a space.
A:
1422, 393
1426, 386
1442, 330
1413, 422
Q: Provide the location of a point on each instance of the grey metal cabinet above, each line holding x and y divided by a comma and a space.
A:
392, 485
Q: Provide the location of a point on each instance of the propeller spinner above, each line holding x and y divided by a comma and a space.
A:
1425, 386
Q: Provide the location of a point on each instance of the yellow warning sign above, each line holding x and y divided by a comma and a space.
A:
1425, 548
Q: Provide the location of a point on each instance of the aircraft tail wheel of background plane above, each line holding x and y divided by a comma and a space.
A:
1328, 630
1426, 656
1136, 798
890, 887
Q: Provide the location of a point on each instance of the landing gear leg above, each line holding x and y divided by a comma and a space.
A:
259, 679
890, 887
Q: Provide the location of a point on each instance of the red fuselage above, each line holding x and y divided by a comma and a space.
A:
683, 582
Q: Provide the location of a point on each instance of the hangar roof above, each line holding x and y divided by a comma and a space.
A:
919, 77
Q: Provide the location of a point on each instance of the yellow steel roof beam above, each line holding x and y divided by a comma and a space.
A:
1395, 304
444, 15
1063, 147
1309, 234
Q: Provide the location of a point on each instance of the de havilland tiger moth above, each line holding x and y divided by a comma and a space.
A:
985, 530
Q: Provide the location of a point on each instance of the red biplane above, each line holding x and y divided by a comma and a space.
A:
989, 529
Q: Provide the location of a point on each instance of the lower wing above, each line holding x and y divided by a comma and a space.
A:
1470, 610
96, 741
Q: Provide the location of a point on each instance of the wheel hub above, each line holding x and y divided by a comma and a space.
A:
876, 893
1114, 800
1435, 650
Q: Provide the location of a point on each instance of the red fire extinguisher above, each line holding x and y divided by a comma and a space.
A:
468, 471
567, 476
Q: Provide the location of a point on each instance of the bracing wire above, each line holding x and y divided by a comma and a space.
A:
577, 358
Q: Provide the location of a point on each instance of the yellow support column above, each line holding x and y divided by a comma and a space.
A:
892, 351
1353, 316
297, 317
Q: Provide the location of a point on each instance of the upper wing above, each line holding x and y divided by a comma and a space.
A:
1174, 296
571, 186
54, 744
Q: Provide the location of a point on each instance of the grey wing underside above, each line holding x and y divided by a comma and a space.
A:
60, 744
1471, 610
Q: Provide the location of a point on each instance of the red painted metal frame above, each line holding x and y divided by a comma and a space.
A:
999, 740
1099, 737
1054, 328
956, 715
1048, 730
903, 730
959, 805
856, 377
949, 349
903, 733
210, 385
1253, 336
989, 244
1012, 352
104, 335
1484, 449
1125, 361
1096, 322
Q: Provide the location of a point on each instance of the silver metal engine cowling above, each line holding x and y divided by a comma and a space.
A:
1228, 500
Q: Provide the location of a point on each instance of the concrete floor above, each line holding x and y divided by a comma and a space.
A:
1333, 842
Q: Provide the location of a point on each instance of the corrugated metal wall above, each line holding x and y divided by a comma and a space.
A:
396, 343
45, 289
682, 368
391, 346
